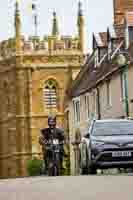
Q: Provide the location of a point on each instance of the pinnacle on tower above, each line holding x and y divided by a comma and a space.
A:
17, 26
80, 21
55, 30
17, 14
80, 11
80, 24
17, 7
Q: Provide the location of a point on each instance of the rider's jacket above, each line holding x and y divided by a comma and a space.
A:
47, 134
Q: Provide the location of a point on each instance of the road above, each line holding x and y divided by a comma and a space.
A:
68, 188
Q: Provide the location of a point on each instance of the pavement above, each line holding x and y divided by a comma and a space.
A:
68, 188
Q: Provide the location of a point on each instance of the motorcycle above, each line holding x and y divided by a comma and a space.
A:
54, 149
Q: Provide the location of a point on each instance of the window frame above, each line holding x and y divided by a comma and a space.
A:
87, 106
76, 111
96, 57
50, 95
108, 93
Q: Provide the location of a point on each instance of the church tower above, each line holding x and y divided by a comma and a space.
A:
34, 80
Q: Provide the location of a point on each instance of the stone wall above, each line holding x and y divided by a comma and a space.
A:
23, 111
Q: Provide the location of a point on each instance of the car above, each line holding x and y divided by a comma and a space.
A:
108, 144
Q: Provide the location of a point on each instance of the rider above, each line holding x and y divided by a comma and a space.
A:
48, 134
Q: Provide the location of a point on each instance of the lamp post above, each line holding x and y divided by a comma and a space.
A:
123, 63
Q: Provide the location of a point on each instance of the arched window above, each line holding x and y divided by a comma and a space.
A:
50, 94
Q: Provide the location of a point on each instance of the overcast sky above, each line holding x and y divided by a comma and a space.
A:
98, 15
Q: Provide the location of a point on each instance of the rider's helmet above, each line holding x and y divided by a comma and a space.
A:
52, 121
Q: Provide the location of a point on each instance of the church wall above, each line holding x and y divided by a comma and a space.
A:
7, 119
30, 63
39, 110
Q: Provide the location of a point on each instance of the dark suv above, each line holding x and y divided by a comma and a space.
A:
110, 145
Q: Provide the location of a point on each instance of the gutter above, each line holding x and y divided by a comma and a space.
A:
98, 104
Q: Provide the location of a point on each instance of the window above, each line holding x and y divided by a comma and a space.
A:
76, 107
87, 111
108, 90
109, 50
50, 94
117, 127
96, 57
94, 102
130, 30
126, 37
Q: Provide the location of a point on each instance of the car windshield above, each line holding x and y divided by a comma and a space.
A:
113, 128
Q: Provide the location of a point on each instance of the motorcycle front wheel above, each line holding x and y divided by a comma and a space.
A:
53, 170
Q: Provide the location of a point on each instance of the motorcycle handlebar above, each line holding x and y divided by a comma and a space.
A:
48, 143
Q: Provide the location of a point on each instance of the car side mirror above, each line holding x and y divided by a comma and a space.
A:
87, 135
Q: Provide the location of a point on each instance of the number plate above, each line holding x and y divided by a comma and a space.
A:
57, 151
121, 154
55, 141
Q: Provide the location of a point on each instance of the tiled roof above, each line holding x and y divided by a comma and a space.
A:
103, 36
98, 39
84, 70
90, 78
101, 39
93, 76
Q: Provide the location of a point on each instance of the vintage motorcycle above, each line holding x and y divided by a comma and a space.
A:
53, 148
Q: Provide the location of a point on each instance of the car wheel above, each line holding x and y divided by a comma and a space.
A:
84, 171
92, 169
83, 160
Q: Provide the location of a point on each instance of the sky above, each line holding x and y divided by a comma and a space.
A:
98, 15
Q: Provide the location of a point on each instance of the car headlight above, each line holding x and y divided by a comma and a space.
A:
97, 143
130, 144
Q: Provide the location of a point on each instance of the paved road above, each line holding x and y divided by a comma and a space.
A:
68, 188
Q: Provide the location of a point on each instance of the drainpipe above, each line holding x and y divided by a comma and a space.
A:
123, 63
98, 104
126, 91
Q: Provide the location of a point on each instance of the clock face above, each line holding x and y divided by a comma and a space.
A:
121, 60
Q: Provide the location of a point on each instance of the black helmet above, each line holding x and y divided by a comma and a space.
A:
51, 120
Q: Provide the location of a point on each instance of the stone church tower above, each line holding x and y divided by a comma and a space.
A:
34, 77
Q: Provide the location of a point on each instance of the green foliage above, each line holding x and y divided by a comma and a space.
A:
34, 167
78, 135
66, 161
